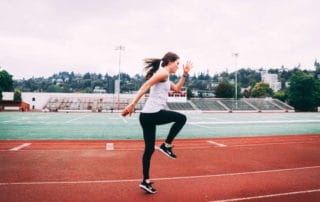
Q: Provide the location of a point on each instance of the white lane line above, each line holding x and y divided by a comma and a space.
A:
17, 120
199, 125
20, 147
216, 143
251, 122
177, 148
109, 146
269, 195
72, 120
157, 179
273, 143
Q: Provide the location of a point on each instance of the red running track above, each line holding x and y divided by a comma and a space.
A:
272, 168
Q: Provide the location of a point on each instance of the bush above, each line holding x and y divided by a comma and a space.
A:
17, 95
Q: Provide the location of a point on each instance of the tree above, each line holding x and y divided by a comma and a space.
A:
224, 90
17, 95
6, 82
317, 72
189, 93
261, 89
54, 88
281, 95
304, 92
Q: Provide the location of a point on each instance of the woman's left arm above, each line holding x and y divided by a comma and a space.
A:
186, 68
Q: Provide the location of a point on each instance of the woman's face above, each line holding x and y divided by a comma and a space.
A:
174, 66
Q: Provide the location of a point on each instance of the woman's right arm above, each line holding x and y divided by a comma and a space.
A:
157, 77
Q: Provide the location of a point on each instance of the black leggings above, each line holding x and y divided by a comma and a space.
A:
148, 122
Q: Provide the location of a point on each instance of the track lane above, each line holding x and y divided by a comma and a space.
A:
203, 172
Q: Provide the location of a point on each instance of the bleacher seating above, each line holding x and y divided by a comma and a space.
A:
202, 104
85, 103
263, 104
282, 104
208, 104
237, 105
180, 106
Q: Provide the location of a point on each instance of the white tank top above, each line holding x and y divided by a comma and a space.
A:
158, 97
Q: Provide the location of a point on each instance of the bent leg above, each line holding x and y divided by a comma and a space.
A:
172, 116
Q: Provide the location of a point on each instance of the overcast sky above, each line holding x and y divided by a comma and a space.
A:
42, 37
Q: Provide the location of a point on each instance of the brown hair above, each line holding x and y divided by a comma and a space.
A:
153, 64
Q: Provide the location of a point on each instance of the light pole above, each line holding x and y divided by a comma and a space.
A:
119, 48
236, 55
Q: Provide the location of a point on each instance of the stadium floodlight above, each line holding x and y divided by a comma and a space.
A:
236, 55
120, 49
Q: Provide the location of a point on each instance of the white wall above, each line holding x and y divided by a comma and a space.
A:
40, 99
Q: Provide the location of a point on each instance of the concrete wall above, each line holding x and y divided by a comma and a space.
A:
38, 100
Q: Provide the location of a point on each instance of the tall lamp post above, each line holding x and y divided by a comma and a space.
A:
236, 55
120, 49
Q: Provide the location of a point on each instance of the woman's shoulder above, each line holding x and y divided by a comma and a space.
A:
162, 72
161, 75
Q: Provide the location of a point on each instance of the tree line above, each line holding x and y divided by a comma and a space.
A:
303, 92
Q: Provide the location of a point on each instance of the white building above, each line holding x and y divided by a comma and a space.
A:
271, 79
38, 100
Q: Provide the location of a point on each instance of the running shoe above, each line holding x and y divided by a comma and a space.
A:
167, 151
148, 187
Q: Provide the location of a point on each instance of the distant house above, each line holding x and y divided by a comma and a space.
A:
272, 80
10, 105
98, 89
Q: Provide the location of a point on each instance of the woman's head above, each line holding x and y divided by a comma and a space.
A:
169, 59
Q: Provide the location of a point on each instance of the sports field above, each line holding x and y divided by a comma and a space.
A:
221, 157
113, 126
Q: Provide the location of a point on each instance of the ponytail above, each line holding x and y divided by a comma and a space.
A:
153, 64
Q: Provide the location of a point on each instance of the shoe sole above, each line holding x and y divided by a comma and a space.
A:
147, 190
166, 153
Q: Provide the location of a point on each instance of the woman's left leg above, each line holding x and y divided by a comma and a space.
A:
179, 120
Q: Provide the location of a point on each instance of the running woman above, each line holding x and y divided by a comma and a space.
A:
154, 111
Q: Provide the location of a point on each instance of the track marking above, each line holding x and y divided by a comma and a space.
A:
252, 122
20, 147
75, 119
269, 195
109, 146
17, 120
177, 148
272, 143
216, 143
156, 179
199, 125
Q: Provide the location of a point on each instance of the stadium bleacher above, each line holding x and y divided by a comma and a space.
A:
283, 105
237, 105
84, 103
180, 106
245, 105
263, 104
209, 104
98, 104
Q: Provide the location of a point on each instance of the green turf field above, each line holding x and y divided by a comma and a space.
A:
19, 125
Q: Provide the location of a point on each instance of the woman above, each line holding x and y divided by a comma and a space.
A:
154, 112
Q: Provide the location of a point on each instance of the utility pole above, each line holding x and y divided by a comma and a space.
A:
236, 55
120, 49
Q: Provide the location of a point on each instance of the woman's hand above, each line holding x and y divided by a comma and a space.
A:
187, 67
128, 110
